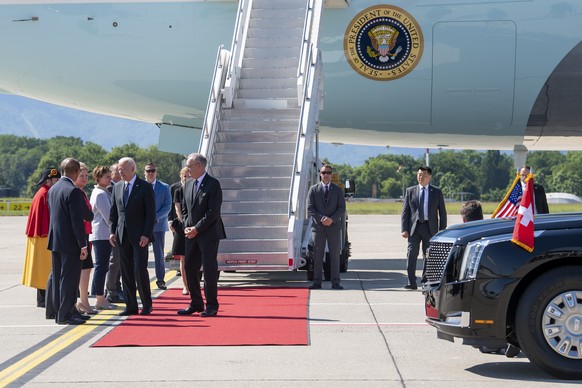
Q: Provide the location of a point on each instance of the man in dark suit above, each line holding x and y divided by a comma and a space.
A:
203, 229
132, 219
326, 206
67, 241
540, 200
423, 215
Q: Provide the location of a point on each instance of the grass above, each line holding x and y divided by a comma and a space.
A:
360, 207
380, 207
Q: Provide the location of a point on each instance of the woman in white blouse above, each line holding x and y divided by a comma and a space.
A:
101, 204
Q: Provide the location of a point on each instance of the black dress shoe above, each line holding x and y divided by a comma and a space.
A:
50, 316
127, 312
209, 313
410, 287
72, 321
337, 287
315, 287
78, 315
190, 310
146, 311
115, 299
161, 285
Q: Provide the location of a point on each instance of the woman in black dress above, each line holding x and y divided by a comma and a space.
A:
176, 225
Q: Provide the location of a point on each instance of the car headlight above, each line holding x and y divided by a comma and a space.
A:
471, 259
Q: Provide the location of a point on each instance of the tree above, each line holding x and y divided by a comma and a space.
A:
495, 172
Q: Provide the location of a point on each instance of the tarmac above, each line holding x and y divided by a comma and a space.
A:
371, 334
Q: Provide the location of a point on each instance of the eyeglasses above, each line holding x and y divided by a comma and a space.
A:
326, 172
152, 170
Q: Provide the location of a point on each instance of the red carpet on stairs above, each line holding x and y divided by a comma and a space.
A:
247, 316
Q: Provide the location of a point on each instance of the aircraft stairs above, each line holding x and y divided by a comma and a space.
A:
257, 132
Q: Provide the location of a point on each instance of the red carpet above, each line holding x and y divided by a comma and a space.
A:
247, 316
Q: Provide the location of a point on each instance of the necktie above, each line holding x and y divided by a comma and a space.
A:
421, 206
125, 193
325, 193
195, 186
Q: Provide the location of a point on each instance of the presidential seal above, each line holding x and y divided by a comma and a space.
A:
383, 43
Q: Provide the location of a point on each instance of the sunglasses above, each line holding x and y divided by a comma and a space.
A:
154, 170
326, 172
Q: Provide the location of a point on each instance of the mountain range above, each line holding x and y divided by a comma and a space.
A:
26, 117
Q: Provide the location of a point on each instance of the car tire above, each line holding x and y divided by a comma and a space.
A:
548, 322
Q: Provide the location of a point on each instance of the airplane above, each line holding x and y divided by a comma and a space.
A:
455, 74
487, 75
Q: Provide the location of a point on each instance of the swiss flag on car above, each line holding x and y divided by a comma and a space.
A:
523, 232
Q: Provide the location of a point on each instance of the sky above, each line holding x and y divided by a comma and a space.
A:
26, 117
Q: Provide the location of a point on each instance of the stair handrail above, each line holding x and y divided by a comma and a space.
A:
213, 113
310, 36
239, 39
303, 159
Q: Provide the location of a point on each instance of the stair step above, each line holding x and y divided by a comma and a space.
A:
267, 63
270, 72
269, 194
247, 246
278, 4
275, 13
251, 183
253, 232
272, 54
283, 93
267, 125
254, 260
267, 43
264, 136
256, 220
242, 114
257, 21
291, 33
252, 159
268, 83
251, 171
265, 103
255, 207
264, 148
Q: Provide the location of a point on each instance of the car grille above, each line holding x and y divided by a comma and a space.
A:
437, 258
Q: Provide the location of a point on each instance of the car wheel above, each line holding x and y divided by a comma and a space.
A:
549, 322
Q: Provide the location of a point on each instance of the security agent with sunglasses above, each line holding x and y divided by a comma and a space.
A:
326, 206
163, 206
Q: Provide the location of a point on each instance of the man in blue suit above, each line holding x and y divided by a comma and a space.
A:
67, 241
203, 229
163, 207
423, 215
132, 219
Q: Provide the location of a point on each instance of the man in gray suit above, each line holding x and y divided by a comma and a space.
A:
326, 206
423, 215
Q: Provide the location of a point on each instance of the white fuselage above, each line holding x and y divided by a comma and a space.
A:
477, 84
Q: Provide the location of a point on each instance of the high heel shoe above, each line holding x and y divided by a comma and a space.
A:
105, 306
85, 309
185, 291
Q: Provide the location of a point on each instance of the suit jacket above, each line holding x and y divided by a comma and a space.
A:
163, 205
202, 210
437, 213
541, 202
335, 208
138, 216
66, 228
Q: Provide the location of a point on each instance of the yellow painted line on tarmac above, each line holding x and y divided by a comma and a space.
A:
39, 356
19, 368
